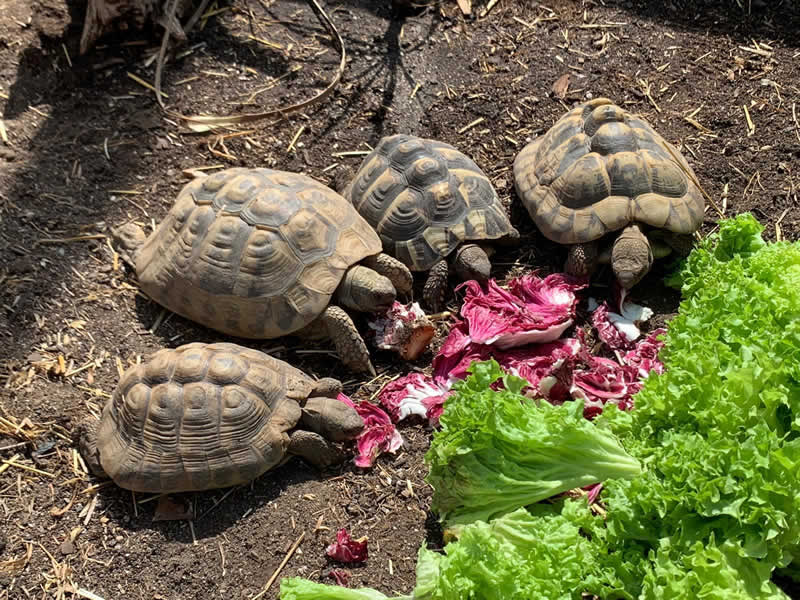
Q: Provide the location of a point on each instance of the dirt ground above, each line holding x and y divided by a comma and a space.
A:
88, 147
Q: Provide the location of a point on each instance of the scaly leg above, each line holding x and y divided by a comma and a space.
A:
436, 286
394, 270
349, 343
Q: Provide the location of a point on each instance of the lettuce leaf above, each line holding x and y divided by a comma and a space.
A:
498, 450
297, 588
707, 571
719, 431
522, 555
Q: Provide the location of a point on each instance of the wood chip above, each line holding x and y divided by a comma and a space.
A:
561, 86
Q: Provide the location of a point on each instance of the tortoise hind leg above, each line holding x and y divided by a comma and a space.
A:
349, 344
313, 448
436, 286
394, 270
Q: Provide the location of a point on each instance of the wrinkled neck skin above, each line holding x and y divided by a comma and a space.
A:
365, 290
470, 261
631, 256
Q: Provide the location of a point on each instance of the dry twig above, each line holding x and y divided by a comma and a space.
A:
203, 123
280, 567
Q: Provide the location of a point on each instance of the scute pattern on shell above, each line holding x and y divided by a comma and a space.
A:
600, 168
424, 198
255, 253
198, 417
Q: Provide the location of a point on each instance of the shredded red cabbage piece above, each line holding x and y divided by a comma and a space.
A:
341, 577
602, 382
644, 355
414, 394
379, 435
619, 330
514, 326
547, 367
404, 328
612, 337
347, 550
532, 309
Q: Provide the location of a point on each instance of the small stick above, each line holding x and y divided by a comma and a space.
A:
194, 537
751, 129
143, 83
203, 123
7, 463
778, 232
69, 240
88, 595
489, 7
11, 463
351, 153
794, 116
295, 138
469, 126
218, 502
66, 53
13, 446
280, 567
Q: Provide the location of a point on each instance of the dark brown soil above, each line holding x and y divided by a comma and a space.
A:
88, 147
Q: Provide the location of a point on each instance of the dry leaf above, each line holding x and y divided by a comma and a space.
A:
561, 86
465, 6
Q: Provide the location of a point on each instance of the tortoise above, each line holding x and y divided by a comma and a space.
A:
261, 253
433, 208
602, 170
205, 416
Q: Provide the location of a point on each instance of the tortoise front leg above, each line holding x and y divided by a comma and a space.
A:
313, 448
582, 259
436, 286
394, 270
349, 343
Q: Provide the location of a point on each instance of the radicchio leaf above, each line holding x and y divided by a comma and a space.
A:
602, 382
379, 435
645, 355
532, 309
347, 550
414, 394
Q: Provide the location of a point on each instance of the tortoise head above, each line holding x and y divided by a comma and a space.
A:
128, 240
87, 446
470, 261
365, 290
332, 419
631, 256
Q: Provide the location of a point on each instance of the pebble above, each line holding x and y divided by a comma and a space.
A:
67, 547
7, 153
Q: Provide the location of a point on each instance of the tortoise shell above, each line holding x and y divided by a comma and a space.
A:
599, 169
200, 416
255, 253
424, 198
